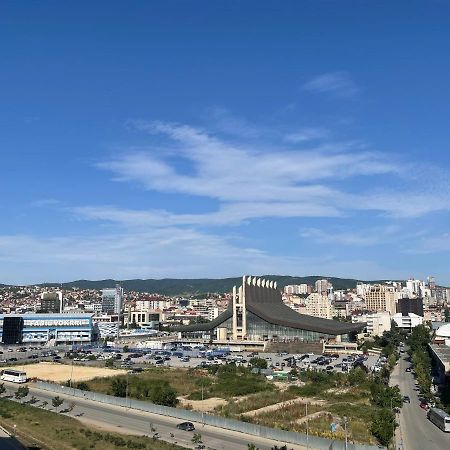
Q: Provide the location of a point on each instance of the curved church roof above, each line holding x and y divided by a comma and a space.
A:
263, 299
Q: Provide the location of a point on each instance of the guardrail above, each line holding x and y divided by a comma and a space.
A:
288, 437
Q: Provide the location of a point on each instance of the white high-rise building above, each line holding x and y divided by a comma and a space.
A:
415, 288
323, 287
361, 289
293, 289
377, 323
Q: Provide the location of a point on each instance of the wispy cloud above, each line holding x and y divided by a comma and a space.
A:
243, 181
369, 237
239, 173
44, 202
250, 181
160, 253
337, 83
306, 134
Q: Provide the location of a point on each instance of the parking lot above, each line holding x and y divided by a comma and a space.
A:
186, 357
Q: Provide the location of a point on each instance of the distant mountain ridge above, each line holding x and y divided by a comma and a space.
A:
176, 286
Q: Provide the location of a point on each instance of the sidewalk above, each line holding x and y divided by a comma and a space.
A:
398, 436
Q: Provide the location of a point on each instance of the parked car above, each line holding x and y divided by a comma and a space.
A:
406, 399
408, 369
424, 405
186, 426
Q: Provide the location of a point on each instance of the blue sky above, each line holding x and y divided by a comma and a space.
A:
212, 139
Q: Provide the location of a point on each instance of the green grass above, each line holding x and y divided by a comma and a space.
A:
52, 431
225, 382
182, 380
231, 381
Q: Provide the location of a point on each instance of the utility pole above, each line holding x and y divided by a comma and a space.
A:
71, 376
203, 417
345, 428
126, 392
307, 426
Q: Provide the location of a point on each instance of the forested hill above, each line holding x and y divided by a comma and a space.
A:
173, 286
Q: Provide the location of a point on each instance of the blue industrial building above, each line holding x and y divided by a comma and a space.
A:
42, 328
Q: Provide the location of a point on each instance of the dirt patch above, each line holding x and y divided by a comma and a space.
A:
276, 406
48, 371
312, 416
202, 405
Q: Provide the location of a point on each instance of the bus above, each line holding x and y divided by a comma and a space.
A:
440, 418
15, 376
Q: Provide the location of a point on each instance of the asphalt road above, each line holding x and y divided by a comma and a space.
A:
416, 432
113, 418
9, 443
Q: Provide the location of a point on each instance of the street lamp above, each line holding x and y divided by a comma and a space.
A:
307, 427
126, 392
345, 429
71, 378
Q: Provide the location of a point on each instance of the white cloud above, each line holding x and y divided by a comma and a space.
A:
251, 181
228, 214
228, 172
306, 134
160, 253
366, 238
337, 83
45, 202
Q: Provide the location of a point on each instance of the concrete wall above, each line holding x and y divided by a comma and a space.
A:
288, 437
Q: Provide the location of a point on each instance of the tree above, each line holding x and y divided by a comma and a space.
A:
44, 404
2, 388
57, 402
119, 387
22, 392
125, 349
383, 426
252, 447
447, 315
357, 376
197, 438
164, 394
109, 363
419, 339
385, 396
259, 363
82, 386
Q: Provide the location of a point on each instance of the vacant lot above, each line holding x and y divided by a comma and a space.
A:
58, 373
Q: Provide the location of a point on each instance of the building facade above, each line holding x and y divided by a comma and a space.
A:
319, 305
407, 321
257, 313
43, 328
112, 300
377, 323
380, 297
410, 305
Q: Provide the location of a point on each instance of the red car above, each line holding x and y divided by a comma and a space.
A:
424, 406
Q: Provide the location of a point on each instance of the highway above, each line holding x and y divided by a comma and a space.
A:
121, 420
416, 432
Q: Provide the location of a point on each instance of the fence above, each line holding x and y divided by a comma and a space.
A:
288, 437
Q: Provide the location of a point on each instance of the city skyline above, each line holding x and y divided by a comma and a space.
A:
164, 142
